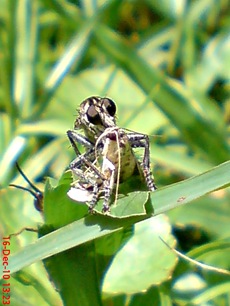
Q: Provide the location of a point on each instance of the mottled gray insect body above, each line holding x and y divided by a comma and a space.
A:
109, 157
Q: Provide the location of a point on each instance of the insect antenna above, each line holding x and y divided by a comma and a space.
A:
36, 193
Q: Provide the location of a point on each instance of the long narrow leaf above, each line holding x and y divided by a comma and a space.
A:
92, 227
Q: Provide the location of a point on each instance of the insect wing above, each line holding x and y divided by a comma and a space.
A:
80, 194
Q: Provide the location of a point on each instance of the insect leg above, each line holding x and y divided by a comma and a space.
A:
83, 160
83, 169
109, 173
85, 180
142, 141
86, 158
74, 138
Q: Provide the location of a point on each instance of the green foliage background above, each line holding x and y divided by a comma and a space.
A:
167, 66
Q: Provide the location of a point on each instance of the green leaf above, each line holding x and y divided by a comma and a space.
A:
132, 204
195, 127
144, 259
74, 271
95, 226
188, 190
213, 253
74, 52
26, 30
168, 71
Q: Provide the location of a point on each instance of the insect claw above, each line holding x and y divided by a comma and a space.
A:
91, 210
106, 208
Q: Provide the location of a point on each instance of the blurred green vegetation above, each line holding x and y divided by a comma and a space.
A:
166, 64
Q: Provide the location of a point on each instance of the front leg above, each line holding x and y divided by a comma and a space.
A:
90, 178
86, 158
142, 141
83, 161
74, 138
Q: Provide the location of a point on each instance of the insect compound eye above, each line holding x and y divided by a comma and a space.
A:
93, 115
110, 106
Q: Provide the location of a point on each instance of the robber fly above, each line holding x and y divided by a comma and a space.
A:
109, 158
